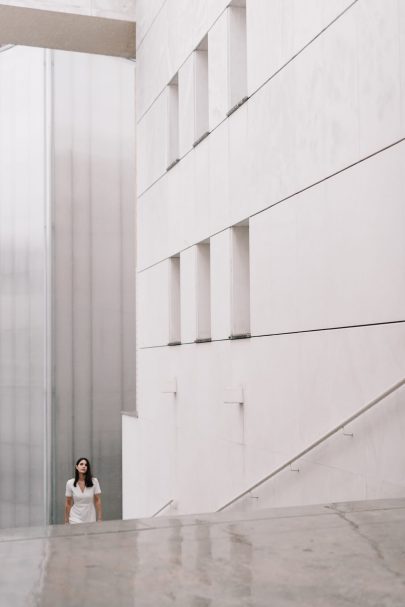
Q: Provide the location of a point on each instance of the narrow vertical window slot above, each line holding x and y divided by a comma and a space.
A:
237, 59
174, 300
201, 91
203, 292
240, 281
172, 123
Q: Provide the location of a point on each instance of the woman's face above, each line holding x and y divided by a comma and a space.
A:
82, 466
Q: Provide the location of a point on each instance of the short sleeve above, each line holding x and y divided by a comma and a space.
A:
68, 492
96, 485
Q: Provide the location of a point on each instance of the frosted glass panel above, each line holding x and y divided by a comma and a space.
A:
87, 153
22, 288
94, 268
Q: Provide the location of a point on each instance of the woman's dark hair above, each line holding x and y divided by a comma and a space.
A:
88, 479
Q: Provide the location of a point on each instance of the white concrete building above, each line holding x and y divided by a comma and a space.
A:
270, 279
271, 160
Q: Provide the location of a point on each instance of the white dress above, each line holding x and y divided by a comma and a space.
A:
83, 509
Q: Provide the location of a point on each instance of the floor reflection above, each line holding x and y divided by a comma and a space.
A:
211, 561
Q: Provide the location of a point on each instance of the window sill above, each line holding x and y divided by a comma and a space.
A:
240, 336
203, 136
237, 105
172, 164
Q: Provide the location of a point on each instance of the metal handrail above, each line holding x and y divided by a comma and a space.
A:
318, 442
162, 508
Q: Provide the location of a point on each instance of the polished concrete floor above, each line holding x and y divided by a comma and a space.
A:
334, 555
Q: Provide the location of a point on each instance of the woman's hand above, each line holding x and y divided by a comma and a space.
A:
97, 503
68, 507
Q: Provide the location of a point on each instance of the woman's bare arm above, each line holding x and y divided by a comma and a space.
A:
68, 506
97, 503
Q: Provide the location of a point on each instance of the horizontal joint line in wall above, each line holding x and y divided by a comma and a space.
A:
285, 198
282, 334
237, 105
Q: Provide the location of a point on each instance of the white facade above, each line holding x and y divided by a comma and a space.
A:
286, 223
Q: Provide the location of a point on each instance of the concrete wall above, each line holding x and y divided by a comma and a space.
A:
112, 9
24, 316
312, 164
94, 260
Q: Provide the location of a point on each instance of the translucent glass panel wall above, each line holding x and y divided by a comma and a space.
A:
23, 285
67, 345
93, 268
65, 120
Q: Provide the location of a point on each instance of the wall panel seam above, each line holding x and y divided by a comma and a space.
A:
281, 334
277, 202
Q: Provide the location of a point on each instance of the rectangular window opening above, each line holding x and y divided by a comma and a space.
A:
172, 123
201, 91
203, 292
237, 58
240, 281
174, 301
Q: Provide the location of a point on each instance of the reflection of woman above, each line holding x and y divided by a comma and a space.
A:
82, 495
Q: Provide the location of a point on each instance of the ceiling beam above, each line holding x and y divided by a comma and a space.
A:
66, 31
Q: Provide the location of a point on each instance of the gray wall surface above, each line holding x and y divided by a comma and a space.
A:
67, 266
93, 268
24, 320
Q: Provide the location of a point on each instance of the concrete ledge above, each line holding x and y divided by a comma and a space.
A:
67, 32
335, 555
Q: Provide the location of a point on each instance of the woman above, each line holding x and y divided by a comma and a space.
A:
83, 491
